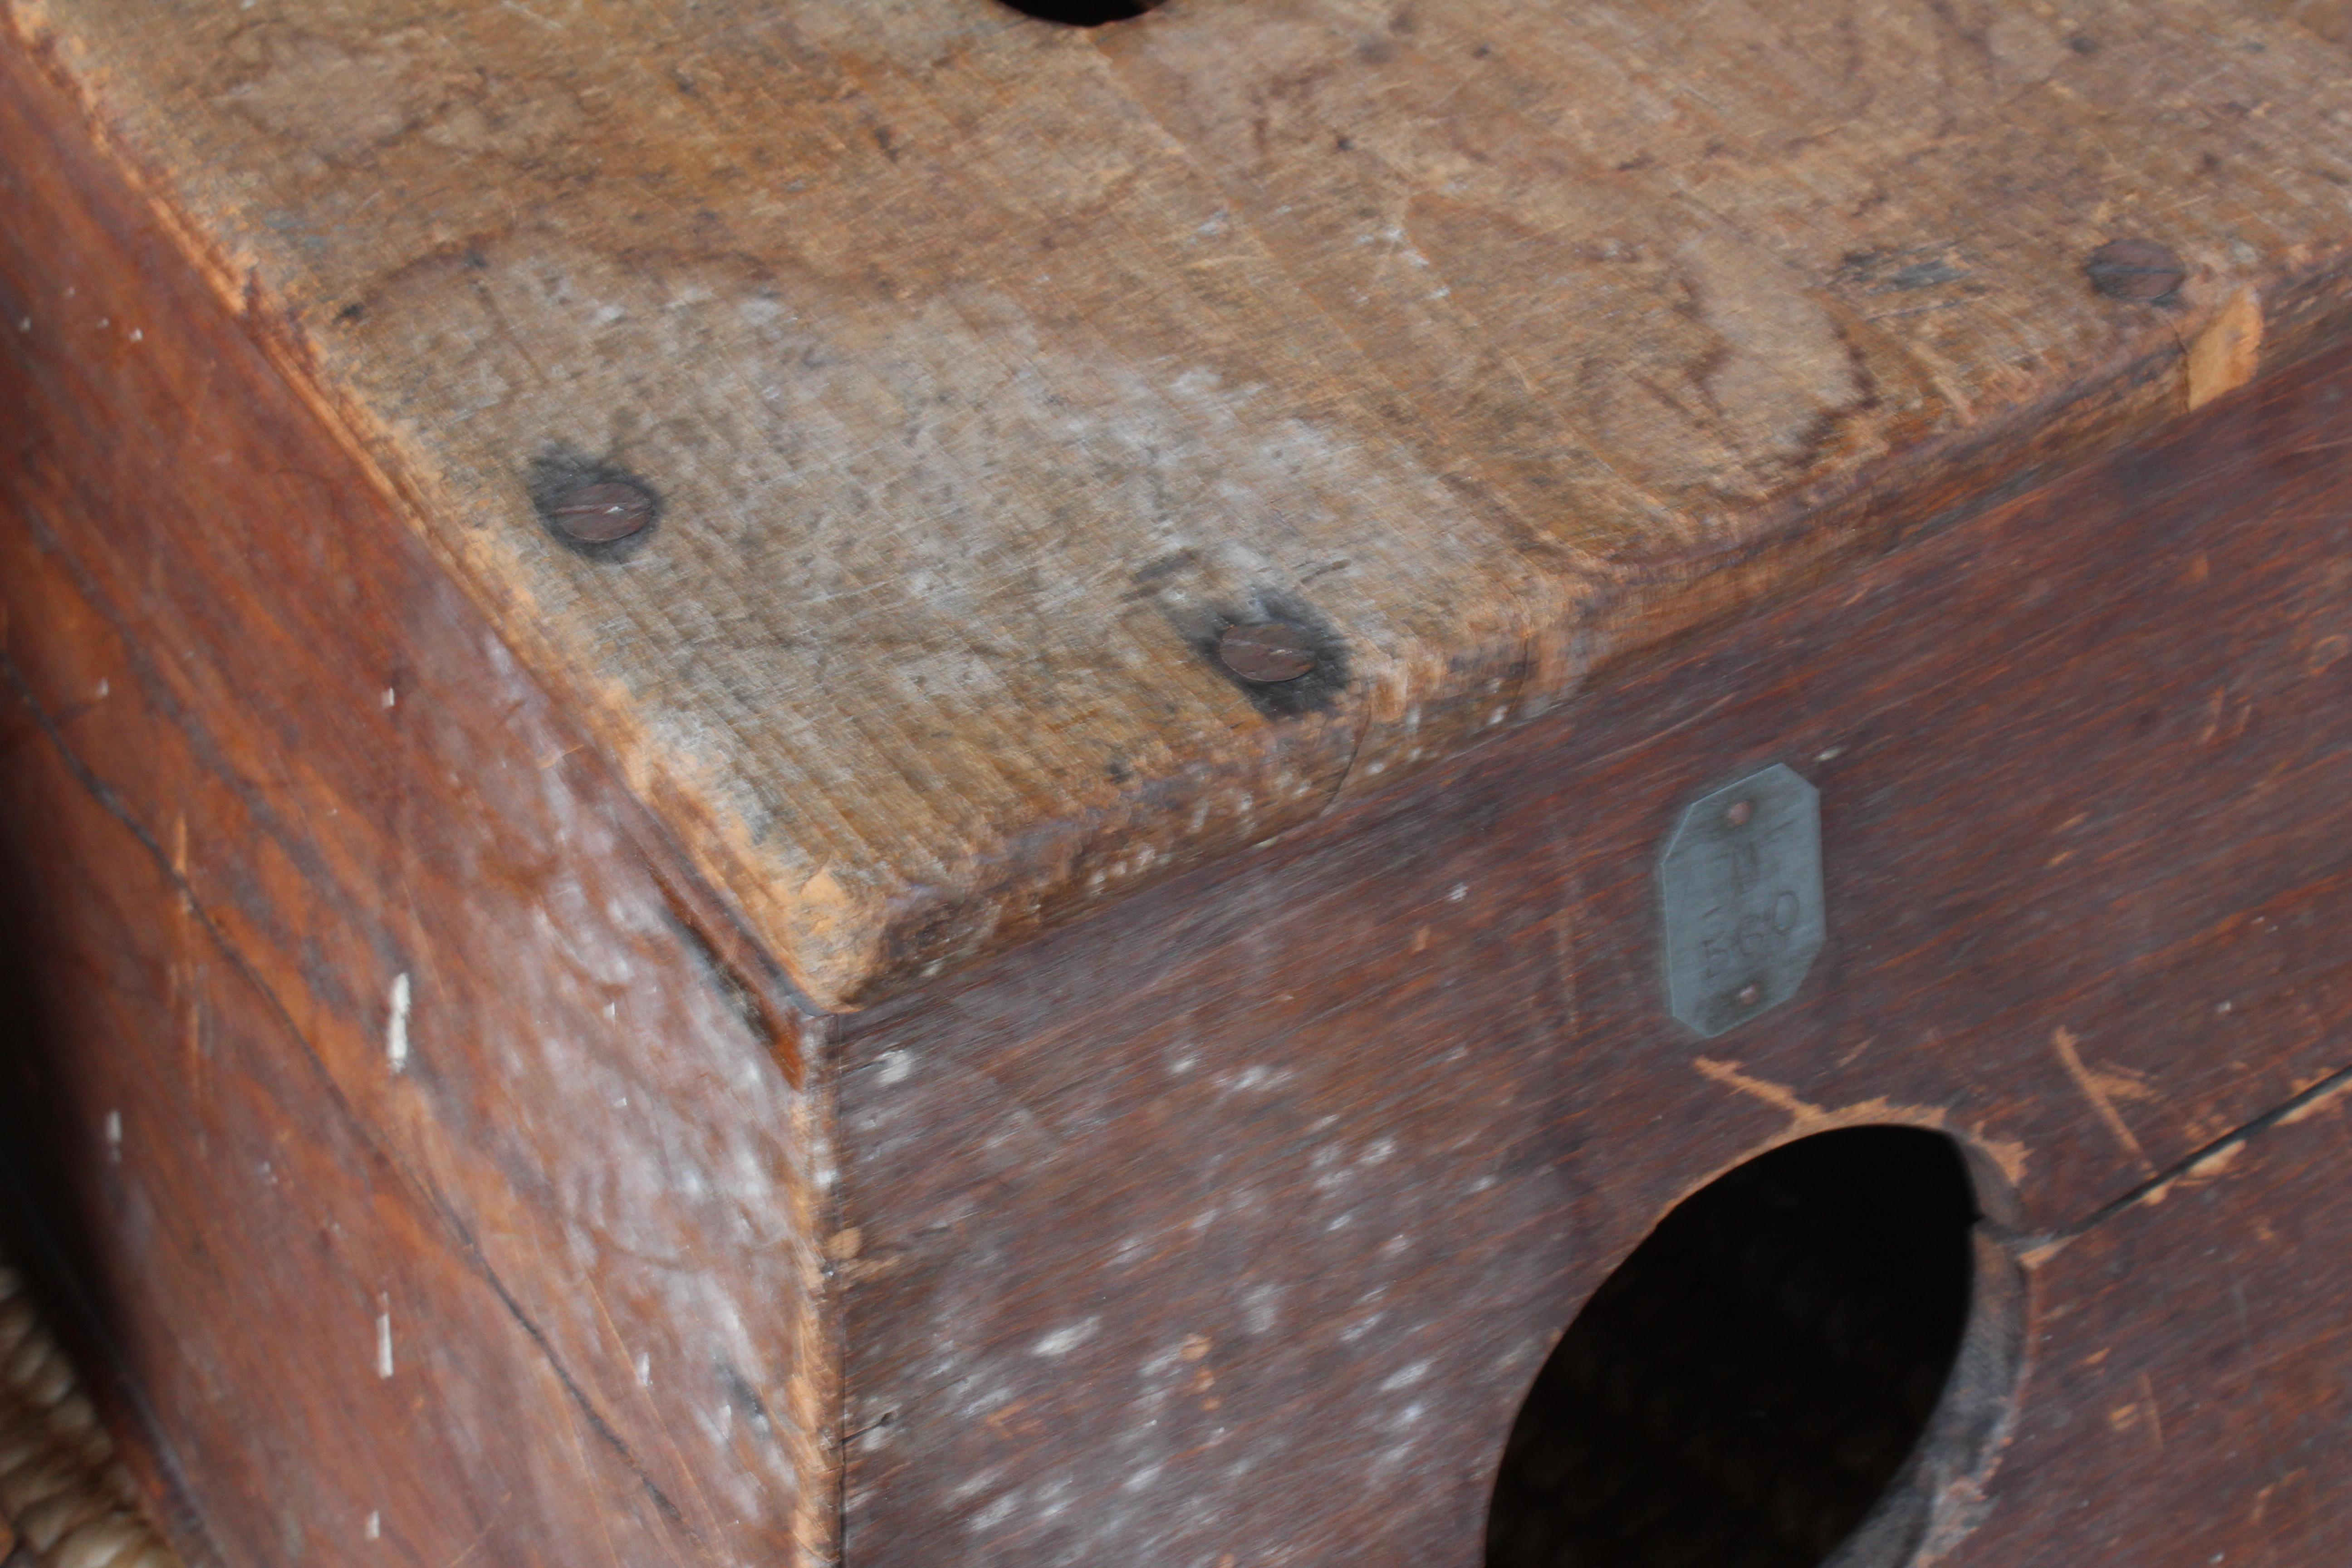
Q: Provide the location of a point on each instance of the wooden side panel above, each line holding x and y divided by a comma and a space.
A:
2194, 1376
444, 1194
1231, 1228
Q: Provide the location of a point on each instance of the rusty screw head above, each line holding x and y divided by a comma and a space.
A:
600, 512
1740, 813
1750, 995
1268, 653
2139, 270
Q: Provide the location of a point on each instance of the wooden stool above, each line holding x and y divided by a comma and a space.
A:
882, 781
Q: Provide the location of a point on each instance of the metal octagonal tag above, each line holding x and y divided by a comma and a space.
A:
1742, 878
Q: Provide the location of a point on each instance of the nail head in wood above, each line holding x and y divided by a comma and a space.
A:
602, 511
1268, 653
2139, 270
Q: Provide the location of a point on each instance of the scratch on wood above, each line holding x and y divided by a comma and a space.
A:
1771, 1094
2207, 1165
2327, 1099
1806, 1118
2098, 1089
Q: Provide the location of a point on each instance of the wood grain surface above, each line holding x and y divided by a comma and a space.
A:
985, 367
1231, 1227
2192, 1380
436, 1179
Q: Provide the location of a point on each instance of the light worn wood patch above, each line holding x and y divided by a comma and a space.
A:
987, 368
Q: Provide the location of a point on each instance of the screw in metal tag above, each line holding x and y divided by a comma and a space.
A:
1742, 880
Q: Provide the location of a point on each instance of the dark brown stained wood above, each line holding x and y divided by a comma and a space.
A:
987, 369
2192, 1382
427, 1139
1232, 1226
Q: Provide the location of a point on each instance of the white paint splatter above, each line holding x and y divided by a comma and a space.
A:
391, 698
979, 1482
395, 1034
1063, 1341
896, 1066
374, 1525
383, 1337
1461, 891
114, 1136
645, 1368
1404, 1377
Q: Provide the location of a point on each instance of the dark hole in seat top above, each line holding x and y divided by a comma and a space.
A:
1083, 12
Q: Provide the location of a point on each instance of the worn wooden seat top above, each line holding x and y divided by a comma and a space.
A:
985, 369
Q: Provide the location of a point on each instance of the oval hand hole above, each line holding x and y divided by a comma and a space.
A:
1083, 12
1786, 1373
